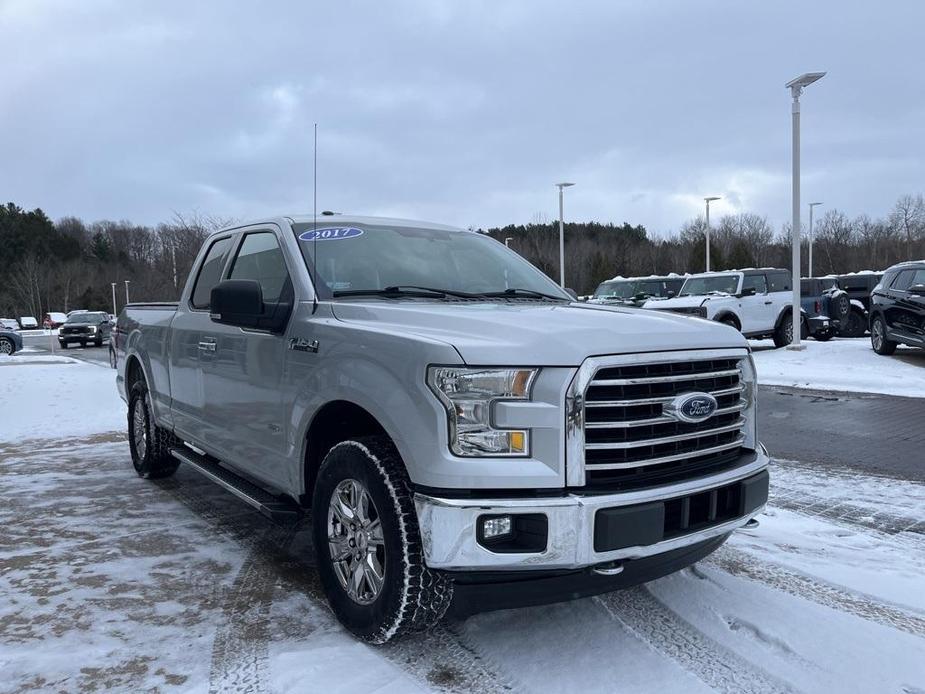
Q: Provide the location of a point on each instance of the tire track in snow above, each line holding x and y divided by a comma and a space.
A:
714, 664
846, 513
742, 564
240, 654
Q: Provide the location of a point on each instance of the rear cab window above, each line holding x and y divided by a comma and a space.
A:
210, 273
757, 282
779, 282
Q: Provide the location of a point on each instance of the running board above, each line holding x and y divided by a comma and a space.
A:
276, 508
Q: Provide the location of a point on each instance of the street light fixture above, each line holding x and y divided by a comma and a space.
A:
126, 290
811, 237
562, 186
796, 87
708, 200
507, 241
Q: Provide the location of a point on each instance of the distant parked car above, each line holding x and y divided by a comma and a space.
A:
28, 323
826, 306
858, 286
9, 324
635, 291
54, 319
897, 310
10, 341
85, 327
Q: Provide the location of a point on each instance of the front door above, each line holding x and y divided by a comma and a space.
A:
243, 414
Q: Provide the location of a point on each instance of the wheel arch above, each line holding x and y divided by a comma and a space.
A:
727, 313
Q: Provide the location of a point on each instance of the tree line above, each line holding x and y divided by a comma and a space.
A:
596, 252
68, 264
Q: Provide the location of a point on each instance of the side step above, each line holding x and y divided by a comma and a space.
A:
276, 508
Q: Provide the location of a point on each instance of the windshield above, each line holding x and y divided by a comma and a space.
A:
363, 258
705, 285
87, 318
622, 289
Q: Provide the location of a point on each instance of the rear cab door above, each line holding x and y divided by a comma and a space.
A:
905, 311
756, 309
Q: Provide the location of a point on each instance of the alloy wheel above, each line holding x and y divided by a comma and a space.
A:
6, 347
876, 334
355, 542
139, 430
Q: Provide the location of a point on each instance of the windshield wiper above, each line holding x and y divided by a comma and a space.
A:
405, 290
517, 291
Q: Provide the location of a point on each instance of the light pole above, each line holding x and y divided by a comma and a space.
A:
126, 290
113, 298
507, 241
562, 186
796, 87
708, 200
811, 206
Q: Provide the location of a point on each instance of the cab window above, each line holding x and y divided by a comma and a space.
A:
260, 258
779, 282
210, 273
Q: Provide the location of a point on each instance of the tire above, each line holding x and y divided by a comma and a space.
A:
410, 597
841, 307
63, 344
783, 333
878, 339
99, 343
83, 345
112, 358
730, 321
853, 325
6, 346
148, 443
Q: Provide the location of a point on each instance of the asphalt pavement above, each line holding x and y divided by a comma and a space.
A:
878, 434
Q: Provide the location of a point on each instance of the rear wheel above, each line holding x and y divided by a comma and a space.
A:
112, 357
149, 444
6, 346
63, 344
368, 545
853, 325
783, 333
878, 339
730, 321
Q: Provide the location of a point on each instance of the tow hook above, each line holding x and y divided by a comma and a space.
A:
752, 524
611, 569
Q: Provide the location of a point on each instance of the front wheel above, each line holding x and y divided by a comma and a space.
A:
63, 344
783, 333
878, 339
112, 357
853, 325
6, 346
368, 545
148, 443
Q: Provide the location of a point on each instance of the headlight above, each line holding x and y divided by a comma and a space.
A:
750, 396
468, 395
92, 328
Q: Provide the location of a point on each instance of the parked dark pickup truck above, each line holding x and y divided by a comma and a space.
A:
459, 427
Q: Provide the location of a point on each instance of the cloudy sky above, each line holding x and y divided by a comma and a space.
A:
459, 112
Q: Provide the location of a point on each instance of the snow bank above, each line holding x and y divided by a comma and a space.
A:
54, 397
842, 365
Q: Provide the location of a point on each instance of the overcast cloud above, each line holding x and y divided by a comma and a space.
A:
458, 112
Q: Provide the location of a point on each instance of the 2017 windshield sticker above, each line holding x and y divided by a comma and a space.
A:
330, 234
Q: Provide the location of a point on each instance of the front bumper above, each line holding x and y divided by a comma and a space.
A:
577, 534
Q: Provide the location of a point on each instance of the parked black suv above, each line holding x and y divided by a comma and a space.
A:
858, 286
897, 312
84, 327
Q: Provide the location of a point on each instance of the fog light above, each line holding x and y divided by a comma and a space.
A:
499, 526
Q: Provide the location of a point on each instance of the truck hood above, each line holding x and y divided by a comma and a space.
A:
680, 302
539, 334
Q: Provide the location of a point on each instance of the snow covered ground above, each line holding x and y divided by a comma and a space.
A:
112, 582
842, 364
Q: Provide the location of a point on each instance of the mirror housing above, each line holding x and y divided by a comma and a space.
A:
237, 302
747, 291
670, 295
917, 289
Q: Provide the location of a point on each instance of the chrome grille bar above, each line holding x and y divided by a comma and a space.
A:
663, 419
656, 401
623, 445
663, 379
671, 458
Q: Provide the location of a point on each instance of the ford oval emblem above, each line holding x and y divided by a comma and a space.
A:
330, 234
692, 407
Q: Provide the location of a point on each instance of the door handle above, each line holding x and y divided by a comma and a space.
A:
768, 303
207, 346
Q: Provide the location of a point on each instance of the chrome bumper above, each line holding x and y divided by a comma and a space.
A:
448, 526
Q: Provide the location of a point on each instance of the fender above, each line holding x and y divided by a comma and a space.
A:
785, 311
856, 303
727, 313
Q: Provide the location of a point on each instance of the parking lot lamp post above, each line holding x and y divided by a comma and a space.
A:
561, 187
126, 290
811, 206
708, 200
507, 241
113, 298
796, 87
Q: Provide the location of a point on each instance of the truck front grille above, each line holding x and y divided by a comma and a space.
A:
631, 442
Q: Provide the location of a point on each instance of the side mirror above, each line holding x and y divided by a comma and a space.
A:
572, 293
670, 294
237, 302
917, 289
748, 291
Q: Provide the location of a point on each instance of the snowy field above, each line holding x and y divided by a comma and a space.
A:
112, 582
842, 364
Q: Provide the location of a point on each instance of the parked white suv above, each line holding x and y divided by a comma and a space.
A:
755, 302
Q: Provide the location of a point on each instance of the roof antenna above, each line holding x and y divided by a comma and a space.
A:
315, 216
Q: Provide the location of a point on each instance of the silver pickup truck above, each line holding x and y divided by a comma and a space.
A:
463, 433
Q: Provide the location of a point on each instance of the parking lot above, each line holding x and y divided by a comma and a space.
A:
113, 582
